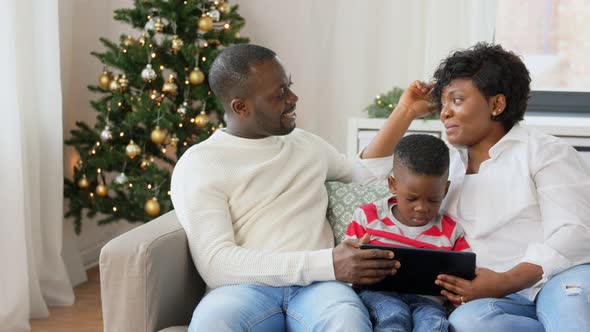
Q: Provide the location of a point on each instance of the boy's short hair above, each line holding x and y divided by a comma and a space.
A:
422, 154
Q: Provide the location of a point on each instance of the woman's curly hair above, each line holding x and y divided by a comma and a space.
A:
493, 71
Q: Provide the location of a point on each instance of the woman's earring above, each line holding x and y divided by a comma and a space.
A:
494, 113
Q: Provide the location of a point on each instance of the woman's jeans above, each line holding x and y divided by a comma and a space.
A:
563, 304
321, 306
391, 311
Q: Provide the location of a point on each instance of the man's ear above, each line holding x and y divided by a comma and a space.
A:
239, 107
391, 183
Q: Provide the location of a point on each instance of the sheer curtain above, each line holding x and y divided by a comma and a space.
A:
32, 271
341, 53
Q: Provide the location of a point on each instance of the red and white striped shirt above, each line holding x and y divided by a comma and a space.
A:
376, 218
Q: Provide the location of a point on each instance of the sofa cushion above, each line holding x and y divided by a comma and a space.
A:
344, 198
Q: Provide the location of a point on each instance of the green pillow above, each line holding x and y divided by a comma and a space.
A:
344, 198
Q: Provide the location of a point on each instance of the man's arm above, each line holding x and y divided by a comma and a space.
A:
204, 213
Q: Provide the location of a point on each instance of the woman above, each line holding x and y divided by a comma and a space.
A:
523, 197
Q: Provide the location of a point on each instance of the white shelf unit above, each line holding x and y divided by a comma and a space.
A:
575, 130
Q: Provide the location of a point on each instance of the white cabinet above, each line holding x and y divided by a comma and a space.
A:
575, 130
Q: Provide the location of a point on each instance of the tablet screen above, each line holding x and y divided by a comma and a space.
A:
420, 267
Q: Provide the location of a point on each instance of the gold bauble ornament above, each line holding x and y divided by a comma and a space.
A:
205, 23
169, 86
174, 140
158, 135
177, 44
123, 82
102, 190
83, 183
104, 80
196, 77
152, 207
202, 119
142, 39
159, 25
129, 41
132, 149
224, 7
145, 163
114, 85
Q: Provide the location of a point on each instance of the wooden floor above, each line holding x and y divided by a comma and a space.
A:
84, 316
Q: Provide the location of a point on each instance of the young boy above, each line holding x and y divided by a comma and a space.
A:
410, 218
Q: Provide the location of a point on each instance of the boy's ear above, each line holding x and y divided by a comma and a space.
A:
391, 183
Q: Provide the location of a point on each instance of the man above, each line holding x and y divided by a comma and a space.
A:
253, 203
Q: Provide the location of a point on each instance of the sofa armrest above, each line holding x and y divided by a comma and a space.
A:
147, 278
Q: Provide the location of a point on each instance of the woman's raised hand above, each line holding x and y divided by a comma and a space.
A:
416, 99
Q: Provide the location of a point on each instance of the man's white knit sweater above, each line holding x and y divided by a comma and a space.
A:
254, 210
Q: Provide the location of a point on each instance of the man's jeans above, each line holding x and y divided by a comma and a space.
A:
390, 311
321, 306
562, 305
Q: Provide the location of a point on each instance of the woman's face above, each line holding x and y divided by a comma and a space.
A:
466, 113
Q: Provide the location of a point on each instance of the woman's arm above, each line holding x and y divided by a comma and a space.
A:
488, 283
414, 103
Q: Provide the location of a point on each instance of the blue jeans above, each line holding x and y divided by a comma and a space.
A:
557, 308
390, 311
321, 306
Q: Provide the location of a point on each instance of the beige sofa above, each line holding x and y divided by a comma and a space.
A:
148, 280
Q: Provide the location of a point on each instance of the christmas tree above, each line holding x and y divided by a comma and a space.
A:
154, 104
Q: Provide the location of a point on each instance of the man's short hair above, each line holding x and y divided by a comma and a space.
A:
230, 69
422, 154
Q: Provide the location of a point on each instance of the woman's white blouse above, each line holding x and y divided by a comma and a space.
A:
532, 204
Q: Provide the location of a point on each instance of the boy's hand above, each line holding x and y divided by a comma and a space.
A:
362, 267
416, 99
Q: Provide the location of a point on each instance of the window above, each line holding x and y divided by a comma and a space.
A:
552, 38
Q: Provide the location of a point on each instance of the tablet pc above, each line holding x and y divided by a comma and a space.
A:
420, 267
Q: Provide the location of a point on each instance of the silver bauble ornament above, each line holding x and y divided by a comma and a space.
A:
148, 74
121, 178
183, 108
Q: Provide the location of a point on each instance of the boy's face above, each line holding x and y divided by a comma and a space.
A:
418, 196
